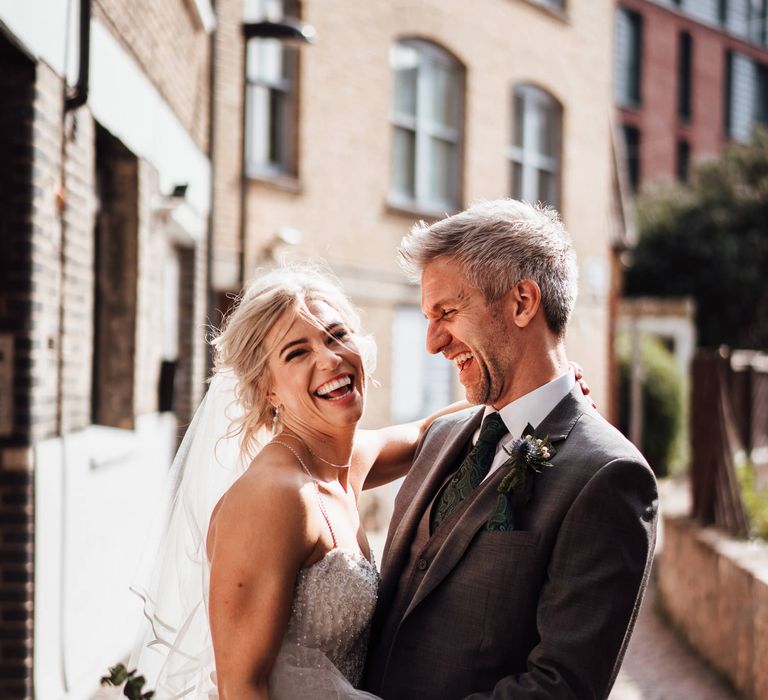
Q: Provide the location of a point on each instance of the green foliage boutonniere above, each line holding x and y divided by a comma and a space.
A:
528, 455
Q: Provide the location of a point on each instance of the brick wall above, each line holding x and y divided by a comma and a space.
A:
656, 117
46, 280
228, 140
715, 591
184, 405
77, 271
16, 124
17, 117
171, 49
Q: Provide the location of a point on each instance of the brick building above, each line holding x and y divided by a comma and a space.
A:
690, 76
103, 226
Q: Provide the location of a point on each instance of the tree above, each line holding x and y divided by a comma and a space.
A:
709, 240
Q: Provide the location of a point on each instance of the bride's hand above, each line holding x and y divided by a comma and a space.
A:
578, 373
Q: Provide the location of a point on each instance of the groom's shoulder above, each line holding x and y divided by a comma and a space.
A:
597, 436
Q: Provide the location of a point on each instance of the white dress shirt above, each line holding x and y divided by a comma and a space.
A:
531, 408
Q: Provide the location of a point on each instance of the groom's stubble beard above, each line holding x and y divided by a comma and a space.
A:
495, 362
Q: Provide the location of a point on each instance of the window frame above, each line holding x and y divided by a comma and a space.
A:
535, 99
286, 164
424, 129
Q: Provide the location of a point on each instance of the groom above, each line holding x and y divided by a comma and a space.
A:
510, 575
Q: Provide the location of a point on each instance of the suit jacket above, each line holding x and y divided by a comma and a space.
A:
543, 611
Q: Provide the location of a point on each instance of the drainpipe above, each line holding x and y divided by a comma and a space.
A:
73, 98
78, 95
209, 291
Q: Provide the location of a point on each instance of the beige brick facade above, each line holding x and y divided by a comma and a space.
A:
339, 200
228, 144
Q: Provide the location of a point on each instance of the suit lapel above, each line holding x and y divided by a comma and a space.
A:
557, 425
398, 548
463, 531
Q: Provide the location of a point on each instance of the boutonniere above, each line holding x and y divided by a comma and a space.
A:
528, 455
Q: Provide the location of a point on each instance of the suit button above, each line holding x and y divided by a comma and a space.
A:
422, 564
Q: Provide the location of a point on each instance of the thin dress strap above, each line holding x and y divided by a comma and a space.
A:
317, 488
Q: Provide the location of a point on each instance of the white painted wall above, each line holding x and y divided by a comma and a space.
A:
98, 494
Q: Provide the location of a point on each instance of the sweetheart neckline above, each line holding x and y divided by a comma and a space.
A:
355, 554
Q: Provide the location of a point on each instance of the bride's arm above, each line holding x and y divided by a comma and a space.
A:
387, 453
257, 543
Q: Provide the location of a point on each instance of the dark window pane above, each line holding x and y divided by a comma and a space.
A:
683, 160
684, 58
632, 147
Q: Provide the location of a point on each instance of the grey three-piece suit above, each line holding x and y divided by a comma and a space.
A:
543, 611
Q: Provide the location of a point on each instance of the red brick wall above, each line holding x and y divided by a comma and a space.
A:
657, 117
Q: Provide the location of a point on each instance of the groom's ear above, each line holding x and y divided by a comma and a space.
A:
522, 302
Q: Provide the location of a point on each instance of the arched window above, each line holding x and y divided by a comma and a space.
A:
534, 152
427, 127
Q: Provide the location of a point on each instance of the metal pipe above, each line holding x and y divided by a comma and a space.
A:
78, 95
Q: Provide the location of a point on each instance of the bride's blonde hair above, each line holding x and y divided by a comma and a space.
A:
240, 346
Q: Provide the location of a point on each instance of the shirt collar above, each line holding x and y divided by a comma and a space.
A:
534, 406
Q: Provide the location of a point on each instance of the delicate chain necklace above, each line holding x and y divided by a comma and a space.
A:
316, 456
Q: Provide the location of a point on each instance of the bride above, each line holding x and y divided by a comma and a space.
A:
265, 584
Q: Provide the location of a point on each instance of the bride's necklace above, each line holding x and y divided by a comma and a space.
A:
316, 456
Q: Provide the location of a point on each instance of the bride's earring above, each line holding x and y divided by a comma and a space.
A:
275, 417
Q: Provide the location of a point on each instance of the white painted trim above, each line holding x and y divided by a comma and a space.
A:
204, 14
46, 40
125, 102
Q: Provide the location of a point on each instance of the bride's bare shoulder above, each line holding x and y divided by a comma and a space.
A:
272, 496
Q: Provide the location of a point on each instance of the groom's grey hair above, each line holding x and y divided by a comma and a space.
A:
498, 244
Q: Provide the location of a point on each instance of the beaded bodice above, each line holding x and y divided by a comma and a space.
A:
331, 613
332, 609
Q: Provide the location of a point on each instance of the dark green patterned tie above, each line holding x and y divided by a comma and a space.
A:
472, 470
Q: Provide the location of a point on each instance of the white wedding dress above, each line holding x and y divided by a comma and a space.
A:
323, 654
324, 650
